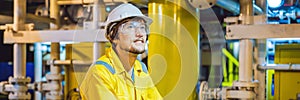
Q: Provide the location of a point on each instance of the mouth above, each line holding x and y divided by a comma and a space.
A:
138, 41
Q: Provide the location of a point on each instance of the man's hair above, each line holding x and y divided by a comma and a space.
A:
112, 28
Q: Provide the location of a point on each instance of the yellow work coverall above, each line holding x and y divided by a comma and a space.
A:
108, 80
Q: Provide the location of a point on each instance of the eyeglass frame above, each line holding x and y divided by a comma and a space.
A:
135, 27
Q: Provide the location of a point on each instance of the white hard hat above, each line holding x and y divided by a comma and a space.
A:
125, 11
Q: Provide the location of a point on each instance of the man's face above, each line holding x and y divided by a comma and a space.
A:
132, 36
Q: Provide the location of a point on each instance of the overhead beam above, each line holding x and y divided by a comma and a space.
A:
55, 36
263, 31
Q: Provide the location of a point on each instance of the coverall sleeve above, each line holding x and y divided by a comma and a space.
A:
97, 85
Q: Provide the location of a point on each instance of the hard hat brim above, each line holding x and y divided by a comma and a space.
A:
148, 20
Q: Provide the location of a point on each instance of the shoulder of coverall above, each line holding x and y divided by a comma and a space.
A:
105, 63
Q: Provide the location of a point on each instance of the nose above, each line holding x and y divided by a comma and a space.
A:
139, 33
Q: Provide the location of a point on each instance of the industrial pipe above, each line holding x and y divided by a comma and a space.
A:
19, 60
260, 54
173, 48
69, 62
54, 78
19, 49
234, 7
96, 17
279, 66
246, 53
38, 68
18, 81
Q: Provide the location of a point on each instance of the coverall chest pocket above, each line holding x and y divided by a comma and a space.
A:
143, 82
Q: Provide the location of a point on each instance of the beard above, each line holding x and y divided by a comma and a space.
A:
133, 49
136, 51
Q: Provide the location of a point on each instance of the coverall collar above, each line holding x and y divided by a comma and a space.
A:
115, 60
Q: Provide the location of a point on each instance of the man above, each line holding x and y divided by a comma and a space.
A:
118, 74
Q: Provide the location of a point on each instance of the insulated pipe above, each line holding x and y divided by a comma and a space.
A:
19, 60
55, 54
234, 7
98, 15
245, 57
260, 54
246, 53
260, 74
54, 76
173, 48
54, 13
37, 67
96, 53
262, 4
19, 73
19, 49
55, 47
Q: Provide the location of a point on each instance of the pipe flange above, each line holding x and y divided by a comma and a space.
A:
54, 77
203, 90
19, 96
19, 80
54, 96
15, 88
50, 62
2, 87
202, 4
245, 84
39, 86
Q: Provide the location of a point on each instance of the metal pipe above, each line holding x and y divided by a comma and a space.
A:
37, 67
54, 13
262, 4
280, 67
19, 55
68, 62
19, 60
19, 49
55, 54
18, 82
95, 26
245, 57
98, 15
234, 7
173, 15
55, 47
260, 54
246, 53
19, 14
96, 53
54, 78
260, 74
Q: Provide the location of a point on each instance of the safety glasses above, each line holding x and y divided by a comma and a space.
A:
134, 26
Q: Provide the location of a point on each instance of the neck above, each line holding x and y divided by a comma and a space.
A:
126, 58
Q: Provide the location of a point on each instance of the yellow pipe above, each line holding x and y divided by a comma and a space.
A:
224, 69
231, 60
231, 75
270, 73
173, 48
230, 57
70, 74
